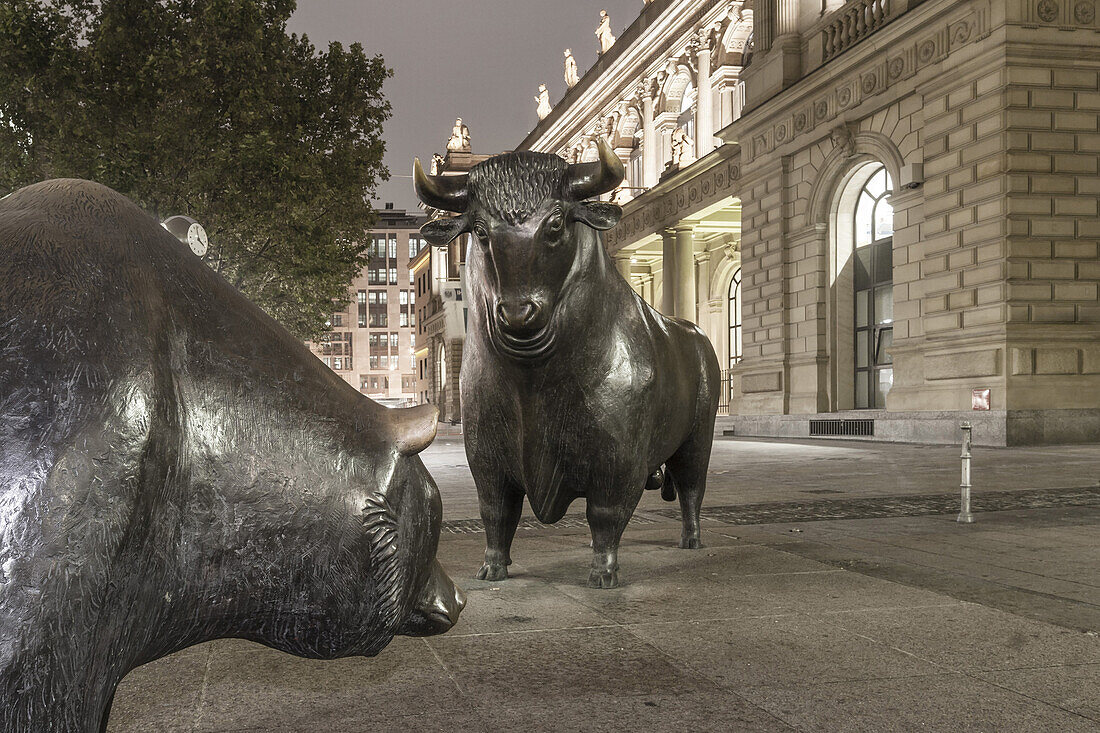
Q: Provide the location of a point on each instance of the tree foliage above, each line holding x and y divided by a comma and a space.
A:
207, 108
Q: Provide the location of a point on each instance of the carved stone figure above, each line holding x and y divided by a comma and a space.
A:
603, 32
460, 137
176, 467
842, 138
437, 163
572, 386
683, 148
571, 75
543, 100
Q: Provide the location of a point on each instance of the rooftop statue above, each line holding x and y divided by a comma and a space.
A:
603, 32
460, 138
176, 467
571, 76
543, 100
572, 385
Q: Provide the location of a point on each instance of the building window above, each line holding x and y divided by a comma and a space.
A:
414, 246
404, 296
736, 349
873, 291
393, 276
394, 344
361, 302
393, 247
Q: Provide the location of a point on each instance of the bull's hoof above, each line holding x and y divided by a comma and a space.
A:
690, 543
603, 578
491, 571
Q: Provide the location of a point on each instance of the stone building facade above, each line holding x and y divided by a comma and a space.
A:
372, 340
438, 276
909, 193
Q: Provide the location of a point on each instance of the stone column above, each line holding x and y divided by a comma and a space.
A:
702, 287
704, 99
786, 17
646, 288
669, 279
649, 139
685, 272
764, 24
622, 264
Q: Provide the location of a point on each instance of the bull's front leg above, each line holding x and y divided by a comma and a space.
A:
500, 512
607, 522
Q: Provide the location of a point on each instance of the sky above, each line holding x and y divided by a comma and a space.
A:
481, 60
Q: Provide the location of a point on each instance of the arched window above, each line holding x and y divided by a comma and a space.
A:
873, 291
735, 318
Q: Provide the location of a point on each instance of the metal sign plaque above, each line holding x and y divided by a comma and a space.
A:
979, 399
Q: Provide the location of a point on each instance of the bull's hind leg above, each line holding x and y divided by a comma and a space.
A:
687, 469
500, 512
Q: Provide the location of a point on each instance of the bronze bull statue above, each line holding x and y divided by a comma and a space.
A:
176, 467
572, 386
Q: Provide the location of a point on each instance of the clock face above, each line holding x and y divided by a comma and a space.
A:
196, 239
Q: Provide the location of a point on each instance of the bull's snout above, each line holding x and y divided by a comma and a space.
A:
520, 317
437, 607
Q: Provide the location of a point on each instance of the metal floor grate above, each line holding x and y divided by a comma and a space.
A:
569, 521
824, 428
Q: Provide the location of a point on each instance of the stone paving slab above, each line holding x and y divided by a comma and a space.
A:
892, 623
946, 702
740, 634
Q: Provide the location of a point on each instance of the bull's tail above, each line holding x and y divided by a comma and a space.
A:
661, 479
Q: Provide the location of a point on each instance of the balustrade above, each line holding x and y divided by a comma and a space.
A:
852, 23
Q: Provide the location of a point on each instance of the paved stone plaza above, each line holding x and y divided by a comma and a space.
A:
833, 594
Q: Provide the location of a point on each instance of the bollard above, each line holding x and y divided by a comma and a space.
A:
964, 514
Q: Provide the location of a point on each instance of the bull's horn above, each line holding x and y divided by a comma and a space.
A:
414, 427
440, 192
585, 180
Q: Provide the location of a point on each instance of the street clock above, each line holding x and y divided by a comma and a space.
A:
188, 231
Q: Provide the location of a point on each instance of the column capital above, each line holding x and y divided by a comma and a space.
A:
702, 41
683, 227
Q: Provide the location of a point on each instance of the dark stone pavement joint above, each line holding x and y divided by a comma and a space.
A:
813, 511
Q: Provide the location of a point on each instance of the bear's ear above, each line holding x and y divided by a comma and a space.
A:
598, 214
414, 427
440, 232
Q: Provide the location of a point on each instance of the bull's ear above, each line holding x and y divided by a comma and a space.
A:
598, 214
414, 427
440, 232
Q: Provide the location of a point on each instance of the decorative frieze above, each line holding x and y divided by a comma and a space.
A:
1063, 13
650, 216
880, 72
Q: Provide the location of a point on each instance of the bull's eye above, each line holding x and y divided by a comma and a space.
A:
555, 223
481, 233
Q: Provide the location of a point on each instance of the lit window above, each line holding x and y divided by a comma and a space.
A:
736, 347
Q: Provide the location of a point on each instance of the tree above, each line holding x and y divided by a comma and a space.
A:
207, 108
